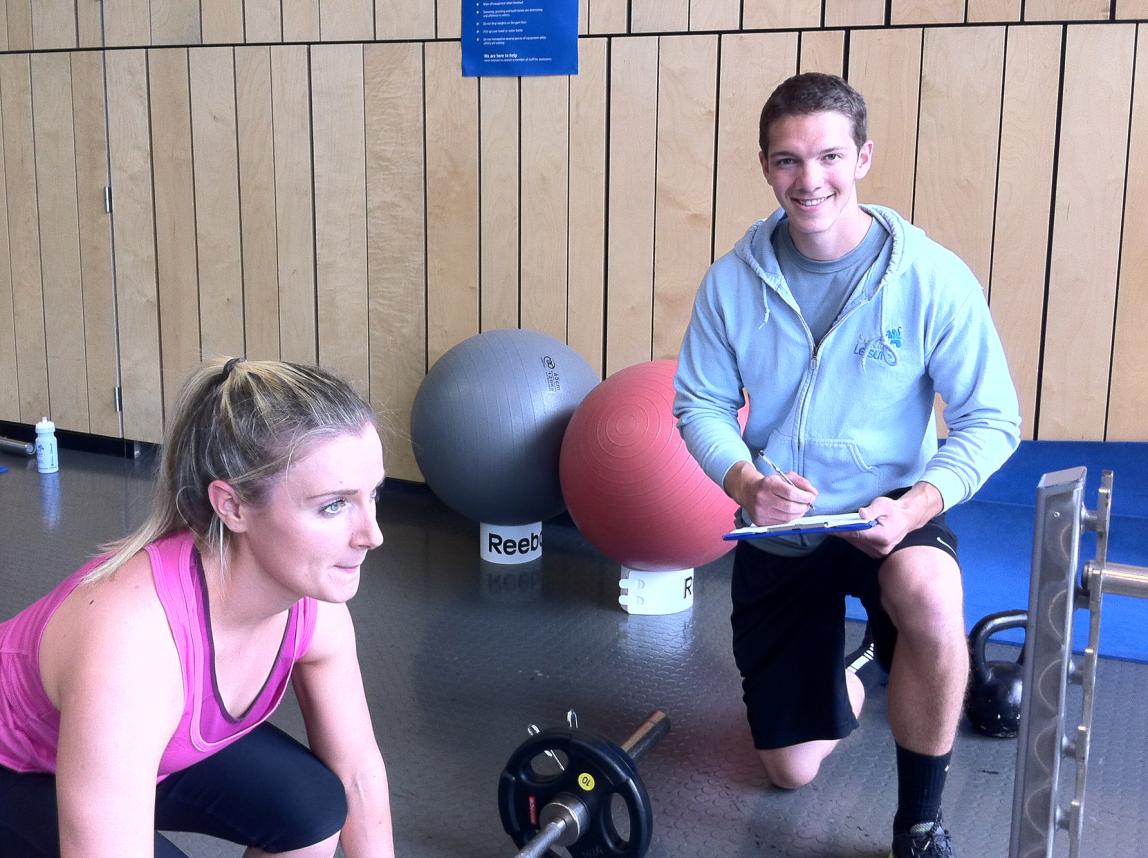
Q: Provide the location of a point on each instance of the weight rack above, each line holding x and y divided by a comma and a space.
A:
1055, 595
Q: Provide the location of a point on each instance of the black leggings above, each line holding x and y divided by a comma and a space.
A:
266, 790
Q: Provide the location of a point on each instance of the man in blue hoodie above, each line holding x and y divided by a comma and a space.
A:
841, 323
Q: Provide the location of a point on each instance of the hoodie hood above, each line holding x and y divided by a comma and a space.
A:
755, 250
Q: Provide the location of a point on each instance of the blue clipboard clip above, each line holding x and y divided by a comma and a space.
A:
812, 524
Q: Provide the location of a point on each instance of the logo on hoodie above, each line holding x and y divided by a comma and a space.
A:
881, 349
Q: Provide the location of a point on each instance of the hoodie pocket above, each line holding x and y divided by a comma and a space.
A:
844, 479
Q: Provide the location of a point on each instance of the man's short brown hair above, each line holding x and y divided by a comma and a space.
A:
814, 92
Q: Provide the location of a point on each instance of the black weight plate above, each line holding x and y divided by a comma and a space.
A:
596, 771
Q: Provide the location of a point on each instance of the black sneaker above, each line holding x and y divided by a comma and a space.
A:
927, 840
863, 662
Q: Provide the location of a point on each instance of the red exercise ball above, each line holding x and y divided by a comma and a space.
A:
629, 483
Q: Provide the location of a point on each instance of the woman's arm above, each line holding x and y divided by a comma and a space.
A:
329, 687
110, 666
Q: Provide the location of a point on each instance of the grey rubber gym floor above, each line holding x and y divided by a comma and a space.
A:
459, 656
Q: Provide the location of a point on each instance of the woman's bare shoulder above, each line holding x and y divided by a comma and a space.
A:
117, 620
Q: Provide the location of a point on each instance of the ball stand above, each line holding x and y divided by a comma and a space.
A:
656, 592
509, 544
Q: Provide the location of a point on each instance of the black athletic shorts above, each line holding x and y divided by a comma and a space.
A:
789, 633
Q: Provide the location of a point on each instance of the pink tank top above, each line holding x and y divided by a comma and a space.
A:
30, 724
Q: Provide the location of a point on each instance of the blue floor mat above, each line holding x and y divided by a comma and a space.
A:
996, 535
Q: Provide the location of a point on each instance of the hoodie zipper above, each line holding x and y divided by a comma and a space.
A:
811, 375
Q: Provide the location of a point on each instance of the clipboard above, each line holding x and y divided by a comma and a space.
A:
810, 524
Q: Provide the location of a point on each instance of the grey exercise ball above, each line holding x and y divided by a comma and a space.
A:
488, 421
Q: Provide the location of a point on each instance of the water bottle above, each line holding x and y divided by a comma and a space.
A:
47, 458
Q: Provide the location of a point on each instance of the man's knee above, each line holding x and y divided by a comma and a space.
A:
790, 768
922, 593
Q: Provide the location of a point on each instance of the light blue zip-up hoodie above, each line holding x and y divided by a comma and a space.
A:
855, 414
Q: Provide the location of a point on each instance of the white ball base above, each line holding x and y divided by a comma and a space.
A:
656, 592
510, 543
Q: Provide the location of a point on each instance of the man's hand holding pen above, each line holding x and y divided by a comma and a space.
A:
773, 498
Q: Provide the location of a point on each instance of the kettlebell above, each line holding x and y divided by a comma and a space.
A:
993, 702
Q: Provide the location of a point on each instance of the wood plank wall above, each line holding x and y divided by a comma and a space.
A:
315, 180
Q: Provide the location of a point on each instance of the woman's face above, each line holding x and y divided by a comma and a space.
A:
318, 521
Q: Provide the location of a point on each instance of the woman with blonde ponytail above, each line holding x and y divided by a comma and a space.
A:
134, 697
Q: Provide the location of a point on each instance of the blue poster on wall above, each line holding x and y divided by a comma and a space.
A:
509, 38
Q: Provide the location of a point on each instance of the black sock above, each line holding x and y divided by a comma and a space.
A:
920, 782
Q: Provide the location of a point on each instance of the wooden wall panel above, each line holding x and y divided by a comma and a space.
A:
263, 20
449, 19
222, 21
218, 240
396, 241
961, 76
175, 22
751, 66
1132, 9
659, 16
1128, 396
687, 114
404, 19
586, 257
715, 14
257, 202
347, 20
60, 239
823, 51
545, 204
1066, 10
19, 14
127, 23
337, 93
498, 196
95, 241
926, 11
9, 372
24, 236
89, 24
1024, 199
885, 66
608, 16
993, 10
133, 233
294, 207
531, 245
781, 14
301, 21
177, 267
452, 200
854, 13
53, 24
1086, 231
630, 241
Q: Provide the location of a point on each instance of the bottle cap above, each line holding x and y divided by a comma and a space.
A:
45, 425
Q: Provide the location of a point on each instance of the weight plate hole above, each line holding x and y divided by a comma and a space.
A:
547, 766
620, 819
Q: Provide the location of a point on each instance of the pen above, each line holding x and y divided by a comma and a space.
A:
780, 473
